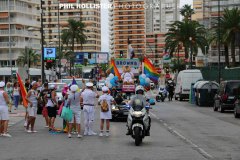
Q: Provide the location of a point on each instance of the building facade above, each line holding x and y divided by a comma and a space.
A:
16, 17
206, 12
127, 22
55, 19
160, 14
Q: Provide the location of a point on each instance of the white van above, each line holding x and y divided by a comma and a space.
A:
184, 81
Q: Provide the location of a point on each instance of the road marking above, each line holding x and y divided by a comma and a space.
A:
183, 138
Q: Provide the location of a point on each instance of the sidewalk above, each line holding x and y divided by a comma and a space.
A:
16, 115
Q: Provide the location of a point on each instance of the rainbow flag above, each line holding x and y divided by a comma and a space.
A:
114, 70
150, 71
23, 91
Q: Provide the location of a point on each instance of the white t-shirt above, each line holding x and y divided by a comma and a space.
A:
88, 97
109, 99
16, 91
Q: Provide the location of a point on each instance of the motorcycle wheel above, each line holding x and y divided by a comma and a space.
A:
138, 138
157, 98
162, 99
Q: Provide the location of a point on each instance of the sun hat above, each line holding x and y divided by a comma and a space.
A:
74, 88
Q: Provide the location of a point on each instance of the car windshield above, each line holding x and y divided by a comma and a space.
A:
59, 87
231, 87
79, 81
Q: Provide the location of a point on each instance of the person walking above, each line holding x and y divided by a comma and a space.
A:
16, 95
43, 99
87, 100
4, 117
9, 91
51, 106
32, 98
74, 103
106, 101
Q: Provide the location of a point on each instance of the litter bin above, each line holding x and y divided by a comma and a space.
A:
195, 91
192, 94
206, 91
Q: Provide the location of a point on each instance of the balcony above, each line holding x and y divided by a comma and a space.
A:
21, 20
20, 45
17, 32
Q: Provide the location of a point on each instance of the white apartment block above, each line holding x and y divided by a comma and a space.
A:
160, 14
16, 17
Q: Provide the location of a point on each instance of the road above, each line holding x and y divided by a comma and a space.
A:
180, 131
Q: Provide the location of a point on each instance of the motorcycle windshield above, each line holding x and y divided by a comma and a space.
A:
137, 108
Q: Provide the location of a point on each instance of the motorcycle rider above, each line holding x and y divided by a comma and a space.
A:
163, 90
139, 95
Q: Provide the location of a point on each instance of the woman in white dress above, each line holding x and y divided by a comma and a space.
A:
4, 117
107, 114
74, 102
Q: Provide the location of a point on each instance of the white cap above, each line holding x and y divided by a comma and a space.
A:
52, 86
33, 83
2, 84
105, 89
89, 84
74, 88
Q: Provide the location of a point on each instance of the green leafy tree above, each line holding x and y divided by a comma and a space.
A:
180, 33
186, 11
28, 56
74, 34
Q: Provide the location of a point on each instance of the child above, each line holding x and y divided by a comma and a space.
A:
105, 114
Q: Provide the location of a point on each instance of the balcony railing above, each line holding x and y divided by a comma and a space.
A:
20, 45
21, 20
16, 32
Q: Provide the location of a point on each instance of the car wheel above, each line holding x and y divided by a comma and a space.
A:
215, 107
221, 109
236, 115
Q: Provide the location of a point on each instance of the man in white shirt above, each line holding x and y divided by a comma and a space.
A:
88, 97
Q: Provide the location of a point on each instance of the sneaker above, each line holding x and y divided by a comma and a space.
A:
29, 131
6, 135
91, 133
46, 126
107, 134
79, 136
34, 131
69, 136
100, 134
25, 124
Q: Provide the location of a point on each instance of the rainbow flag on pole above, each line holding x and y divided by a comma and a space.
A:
23, 91
150, 71
114, 70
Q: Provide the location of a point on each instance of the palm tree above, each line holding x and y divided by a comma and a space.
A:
230, 27
28, 56
189, 34
186, 11
74, 34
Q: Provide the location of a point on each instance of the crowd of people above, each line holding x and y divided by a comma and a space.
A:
42, 98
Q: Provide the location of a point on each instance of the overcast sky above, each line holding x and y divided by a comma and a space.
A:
105, 27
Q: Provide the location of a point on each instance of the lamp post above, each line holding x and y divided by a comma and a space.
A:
190, 39
219, 58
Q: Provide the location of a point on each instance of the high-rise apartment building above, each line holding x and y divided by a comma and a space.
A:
127, 21
16, 17
206, 12
89, 16
160, 14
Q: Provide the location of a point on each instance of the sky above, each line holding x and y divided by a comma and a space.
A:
105, 25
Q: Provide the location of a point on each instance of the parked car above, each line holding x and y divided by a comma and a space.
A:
100, 84
59, 87
184, 81
120, 111
226, 96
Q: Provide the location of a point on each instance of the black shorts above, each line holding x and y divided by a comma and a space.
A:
52, 112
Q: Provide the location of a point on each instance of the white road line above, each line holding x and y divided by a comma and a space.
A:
183, 138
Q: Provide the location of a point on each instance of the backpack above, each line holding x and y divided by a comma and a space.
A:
104, 106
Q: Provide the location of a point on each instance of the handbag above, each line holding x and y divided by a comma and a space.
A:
66, 113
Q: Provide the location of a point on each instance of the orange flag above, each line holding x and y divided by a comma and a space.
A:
23, 91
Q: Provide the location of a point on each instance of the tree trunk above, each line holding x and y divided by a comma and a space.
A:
233, 51
226, 55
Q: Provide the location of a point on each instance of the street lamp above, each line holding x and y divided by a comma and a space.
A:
219, 58
191, 54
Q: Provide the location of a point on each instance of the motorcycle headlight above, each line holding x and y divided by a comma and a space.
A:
114, 107
137, 113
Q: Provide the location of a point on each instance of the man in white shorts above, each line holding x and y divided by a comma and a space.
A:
88, 97
32, 98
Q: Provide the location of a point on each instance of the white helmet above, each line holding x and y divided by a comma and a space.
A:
138, 88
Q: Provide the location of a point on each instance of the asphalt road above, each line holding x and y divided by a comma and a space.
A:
180, 131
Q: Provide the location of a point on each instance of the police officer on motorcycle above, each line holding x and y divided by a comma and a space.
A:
139, 91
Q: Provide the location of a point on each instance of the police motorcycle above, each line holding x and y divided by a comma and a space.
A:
138, 120
162, 94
